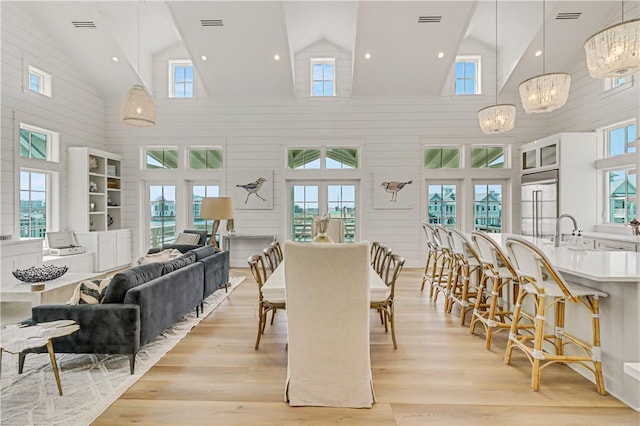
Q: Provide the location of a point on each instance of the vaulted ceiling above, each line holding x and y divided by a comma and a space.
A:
240, 39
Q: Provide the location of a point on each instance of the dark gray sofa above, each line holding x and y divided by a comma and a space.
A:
140, 303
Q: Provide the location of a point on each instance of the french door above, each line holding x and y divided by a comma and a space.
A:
311, 198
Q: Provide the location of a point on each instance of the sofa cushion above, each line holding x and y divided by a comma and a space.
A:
181, 262
90, 292
202, 252
125, 280
160, 256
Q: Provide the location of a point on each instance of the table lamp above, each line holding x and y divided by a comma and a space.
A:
216, 208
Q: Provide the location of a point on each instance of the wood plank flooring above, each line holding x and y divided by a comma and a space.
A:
439, 375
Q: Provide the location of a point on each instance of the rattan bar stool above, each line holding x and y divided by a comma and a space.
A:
443, 284
491, 308
464, 290
433, 265
554, 291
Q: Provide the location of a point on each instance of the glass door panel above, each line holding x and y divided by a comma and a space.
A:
304, 205
487, 207
162, 214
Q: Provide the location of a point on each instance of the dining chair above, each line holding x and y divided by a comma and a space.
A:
433, 265
492, 309
443, 285
381, 259
259, 272
541, 282
335, 229
385, 307
327, 297
278, 248
375, 249
464, 289
271, 257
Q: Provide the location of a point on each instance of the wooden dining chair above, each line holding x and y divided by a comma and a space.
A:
375, 249
259, 272
386, 308
271, 257
381, 259
278, 249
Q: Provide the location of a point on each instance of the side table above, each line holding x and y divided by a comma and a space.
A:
17, 338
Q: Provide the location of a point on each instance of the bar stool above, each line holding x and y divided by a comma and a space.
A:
491, 308
433, 265
466, 263
443, 284
529, 263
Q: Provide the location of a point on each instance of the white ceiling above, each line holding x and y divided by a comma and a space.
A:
404, 52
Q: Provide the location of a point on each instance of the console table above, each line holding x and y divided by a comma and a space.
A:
55, 291
255, 243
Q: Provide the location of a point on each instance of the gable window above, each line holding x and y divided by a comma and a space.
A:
621, 139
491, 157
323, 77
161, 158
34, 193
201, 158
38, 144
622, 196
341, 158
441, 158
467, 75
323, 158
39, 81
181, 79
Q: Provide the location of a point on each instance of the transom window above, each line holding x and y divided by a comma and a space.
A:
38, 144
323, 77
621, 139
161, 158
205, 158
40, 81
181, 79
467, 75
492, 157
442, 204
613, 82
328, 158
34, 188
442, 158
622, 196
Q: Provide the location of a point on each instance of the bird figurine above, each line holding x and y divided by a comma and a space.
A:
394, 188
253, 188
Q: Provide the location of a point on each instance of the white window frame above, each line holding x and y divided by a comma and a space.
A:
173, 63
53, 143
505, 150
607, 197
187, 156
192, 185
46, 81
611, 83
323, 156
605, 136
143, 157
441, 147
52, 199
323, 61
504, 212
458, 191
477, 59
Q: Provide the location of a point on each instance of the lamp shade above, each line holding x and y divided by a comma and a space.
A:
497, 118
217, 208
137, 108
544, 93
614, 51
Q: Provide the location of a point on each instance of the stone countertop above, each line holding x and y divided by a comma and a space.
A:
615, 237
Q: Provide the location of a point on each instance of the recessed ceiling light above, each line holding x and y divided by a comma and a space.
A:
441, 55
276, 57
114, 58
204, 58
538, 52
367, 55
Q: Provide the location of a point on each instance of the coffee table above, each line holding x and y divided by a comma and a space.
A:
18, 338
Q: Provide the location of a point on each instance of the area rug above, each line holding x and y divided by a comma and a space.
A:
90, 382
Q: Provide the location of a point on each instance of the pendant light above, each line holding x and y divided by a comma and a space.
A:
137, 107
545, 92
614, 51
498, 118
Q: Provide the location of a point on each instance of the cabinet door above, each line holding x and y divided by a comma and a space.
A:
607, 245
123, 248
106, 254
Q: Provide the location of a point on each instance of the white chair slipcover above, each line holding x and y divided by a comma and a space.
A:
327, 297
335, 229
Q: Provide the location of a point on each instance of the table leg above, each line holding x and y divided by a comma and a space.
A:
54, 364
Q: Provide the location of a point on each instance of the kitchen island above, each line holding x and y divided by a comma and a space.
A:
616, 273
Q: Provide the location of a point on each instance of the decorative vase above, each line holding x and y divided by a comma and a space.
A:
322, 237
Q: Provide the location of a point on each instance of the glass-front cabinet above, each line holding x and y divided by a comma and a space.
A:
540, 155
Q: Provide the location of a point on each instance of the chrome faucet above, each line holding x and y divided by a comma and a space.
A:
556, 238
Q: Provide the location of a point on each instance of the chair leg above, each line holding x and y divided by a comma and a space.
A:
559, 326
595, 319
260, 326
54, 364
513, 331
538, 341
393, 326
273, 315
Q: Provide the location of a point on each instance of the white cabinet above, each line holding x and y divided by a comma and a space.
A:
19, 254
95, 197
602, 244
112, 248
76, 262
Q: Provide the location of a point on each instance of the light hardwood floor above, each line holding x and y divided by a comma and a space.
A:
439, 375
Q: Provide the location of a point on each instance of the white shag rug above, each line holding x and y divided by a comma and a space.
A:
90, 383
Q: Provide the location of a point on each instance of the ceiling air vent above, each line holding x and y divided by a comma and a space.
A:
568, 15
84, 24
211, 22
429, 19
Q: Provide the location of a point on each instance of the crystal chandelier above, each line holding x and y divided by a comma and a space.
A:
614, 51
497, 118
137, 108
545, 92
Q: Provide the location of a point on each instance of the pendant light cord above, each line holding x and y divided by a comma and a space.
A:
138, 66
544, 39
496, 52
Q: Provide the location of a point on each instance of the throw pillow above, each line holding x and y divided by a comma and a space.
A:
90, 292
161, 256
187, 238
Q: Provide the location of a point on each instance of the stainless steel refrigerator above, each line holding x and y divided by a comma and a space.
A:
539, 208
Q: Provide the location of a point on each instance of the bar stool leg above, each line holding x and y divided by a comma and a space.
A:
595, 319
513, 331
560, 312
54, 364
538, 355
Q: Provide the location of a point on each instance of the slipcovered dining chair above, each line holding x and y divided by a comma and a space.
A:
335, 229
392, 268
259, 272
492, 309
543, 285
464, 289
327, 297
